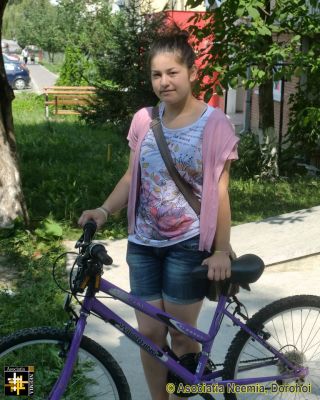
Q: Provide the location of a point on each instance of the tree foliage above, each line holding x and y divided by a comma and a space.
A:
34, 22
123, 61
75, 68
266, 36
303, 138
115, 48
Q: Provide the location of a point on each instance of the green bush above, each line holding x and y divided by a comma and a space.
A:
74, 69
250, 160
109, 51
121, 58
302, 143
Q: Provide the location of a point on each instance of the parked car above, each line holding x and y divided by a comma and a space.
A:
12, 57
17, 74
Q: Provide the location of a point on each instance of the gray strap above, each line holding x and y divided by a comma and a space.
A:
184, 187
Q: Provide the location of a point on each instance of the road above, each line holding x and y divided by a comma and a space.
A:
41, 78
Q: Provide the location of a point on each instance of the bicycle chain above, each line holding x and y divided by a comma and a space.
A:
248, 361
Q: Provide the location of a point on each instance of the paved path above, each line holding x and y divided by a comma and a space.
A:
290, 240
281, 238
41, 77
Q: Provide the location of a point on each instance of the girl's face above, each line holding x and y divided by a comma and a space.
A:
171, 80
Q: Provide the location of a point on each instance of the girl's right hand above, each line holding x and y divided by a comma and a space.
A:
99, 217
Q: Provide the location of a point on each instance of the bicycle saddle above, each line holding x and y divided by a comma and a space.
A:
244, 270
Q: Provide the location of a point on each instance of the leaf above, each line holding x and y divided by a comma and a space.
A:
234, 82
240, 12
264, 31
253, 12
49, 229
194, 3
208, 95
219, 90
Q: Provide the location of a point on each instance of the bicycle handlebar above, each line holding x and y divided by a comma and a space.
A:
95, 250
99, 252
89, 230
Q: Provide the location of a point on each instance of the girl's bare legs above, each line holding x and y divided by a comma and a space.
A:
155, 372
180, 343
187, 313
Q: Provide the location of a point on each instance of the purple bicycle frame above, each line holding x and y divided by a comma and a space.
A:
92, 304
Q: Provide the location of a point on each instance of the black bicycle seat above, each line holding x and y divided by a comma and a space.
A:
244, 270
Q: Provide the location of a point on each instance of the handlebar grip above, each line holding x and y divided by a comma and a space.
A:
89, 230
98, 251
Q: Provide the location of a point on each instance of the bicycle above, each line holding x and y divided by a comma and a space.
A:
275, 354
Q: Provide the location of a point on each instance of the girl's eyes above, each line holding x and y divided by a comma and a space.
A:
171, 73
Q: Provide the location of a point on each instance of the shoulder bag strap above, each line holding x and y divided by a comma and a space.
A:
184, 187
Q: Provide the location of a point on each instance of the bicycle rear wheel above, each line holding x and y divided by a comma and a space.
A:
292, 326
96, 375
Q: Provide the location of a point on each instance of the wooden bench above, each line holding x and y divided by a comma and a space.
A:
68, 100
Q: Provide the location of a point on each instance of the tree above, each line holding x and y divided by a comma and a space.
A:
34, 22
266, 36
114, 55
121, 59
12, 202
85, 27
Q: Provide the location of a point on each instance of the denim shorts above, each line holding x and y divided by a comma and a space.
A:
165, 273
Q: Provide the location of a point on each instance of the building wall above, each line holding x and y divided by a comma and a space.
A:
289, 88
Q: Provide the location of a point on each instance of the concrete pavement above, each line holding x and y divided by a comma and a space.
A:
289, 245
41, 78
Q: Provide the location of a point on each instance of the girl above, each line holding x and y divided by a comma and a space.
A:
166, 237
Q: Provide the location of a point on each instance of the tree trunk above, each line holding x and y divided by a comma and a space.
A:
266, 124
12, 204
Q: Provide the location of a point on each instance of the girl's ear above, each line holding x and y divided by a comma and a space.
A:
193, 73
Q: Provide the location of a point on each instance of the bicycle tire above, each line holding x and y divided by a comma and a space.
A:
294, 326
42, 348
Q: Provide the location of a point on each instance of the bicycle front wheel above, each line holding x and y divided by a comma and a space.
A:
292, 326
96, 375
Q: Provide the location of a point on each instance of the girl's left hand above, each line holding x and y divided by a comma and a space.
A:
219, 266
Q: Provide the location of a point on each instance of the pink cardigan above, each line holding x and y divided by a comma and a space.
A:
218, 142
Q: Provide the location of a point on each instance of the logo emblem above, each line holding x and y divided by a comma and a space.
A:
18, 381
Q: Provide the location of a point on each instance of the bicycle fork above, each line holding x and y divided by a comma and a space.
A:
63, 380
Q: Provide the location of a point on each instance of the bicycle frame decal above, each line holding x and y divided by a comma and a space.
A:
138, 304
137, 339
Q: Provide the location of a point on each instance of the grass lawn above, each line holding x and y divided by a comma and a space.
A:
54, 68
65, 170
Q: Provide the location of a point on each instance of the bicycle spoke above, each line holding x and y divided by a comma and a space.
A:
305, 349
294, 329
90, 380
284, 328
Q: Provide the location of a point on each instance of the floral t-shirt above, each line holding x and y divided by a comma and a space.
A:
164, 217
